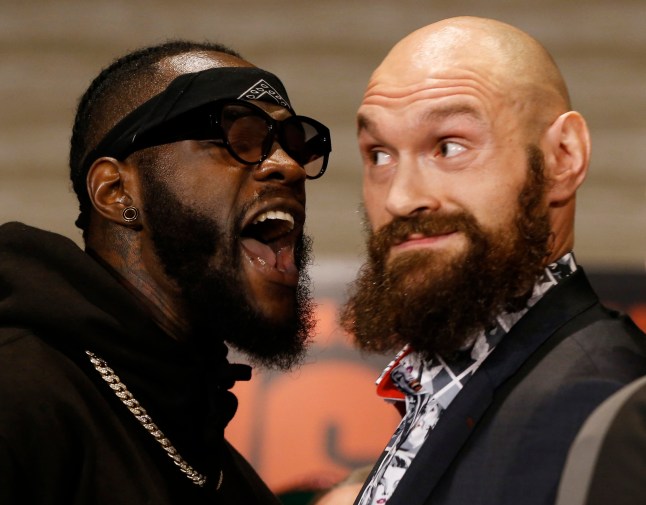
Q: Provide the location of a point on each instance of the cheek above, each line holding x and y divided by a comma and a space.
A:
374, 205
493, 196
218, 200
495, 207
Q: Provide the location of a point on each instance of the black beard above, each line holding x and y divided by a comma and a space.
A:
205, 263
435, 304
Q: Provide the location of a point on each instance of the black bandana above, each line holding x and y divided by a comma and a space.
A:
183, 94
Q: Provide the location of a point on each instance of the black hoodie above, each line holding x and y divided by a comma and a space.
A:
65, 437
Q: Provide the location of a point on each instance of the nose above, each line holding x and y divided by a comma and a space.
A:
413, 189
281, 167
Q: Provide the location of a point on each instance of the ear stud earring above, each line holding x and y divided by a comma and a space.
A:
130, 214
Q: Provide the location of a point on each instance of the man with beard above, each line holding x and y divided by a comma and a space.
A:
189, 164
472, 157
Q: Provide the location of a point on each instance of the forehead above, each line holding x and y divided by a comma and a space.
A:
439, 64
399, 86
423, 106
274, 110
421, 115
197, 61
424, 94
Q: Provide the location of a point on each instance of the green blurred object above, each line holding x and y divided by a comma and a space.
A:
302, 497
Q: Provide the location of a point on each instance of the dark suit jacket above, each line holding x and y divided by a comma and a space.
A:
607, 462
504, 438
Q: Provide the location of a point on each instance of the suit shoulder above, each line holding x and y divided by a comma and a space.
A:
610, 343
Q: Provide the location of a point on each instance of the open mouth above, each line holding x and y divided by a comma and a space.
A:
270, 226
269, 241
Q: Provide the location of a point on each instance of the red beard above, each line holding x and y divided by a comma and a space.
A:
437, 303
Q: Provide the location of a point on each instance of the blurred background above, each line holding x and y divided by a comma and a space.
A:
310, 427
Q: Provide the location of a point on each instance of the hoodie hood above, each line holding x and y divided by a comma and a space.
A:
50, 287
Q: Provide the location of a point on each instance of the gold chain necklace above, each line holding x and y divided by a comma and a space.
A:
119, 388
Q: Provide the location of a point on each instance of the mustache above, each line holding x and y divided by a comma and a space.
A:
401, 228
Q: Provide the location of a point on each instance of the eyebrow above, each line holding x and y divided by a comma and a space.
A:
365, 123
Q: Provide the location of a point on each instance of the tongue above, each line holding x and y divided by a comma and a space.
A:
263, 252
285, 260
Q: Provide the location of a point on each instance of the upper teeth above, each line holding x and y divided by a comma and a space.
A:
275, 214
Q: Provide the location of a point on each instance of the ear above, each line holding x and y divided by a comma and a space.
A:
566, 145
112, 186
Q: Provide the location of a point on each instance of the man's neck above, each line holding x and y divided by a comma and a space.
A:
160, 306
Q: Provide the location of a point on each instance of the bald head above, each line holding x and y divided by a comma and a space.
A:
459, 112
506, 60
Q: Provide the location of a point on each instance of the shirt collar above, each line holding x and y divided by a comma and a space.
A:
482, 343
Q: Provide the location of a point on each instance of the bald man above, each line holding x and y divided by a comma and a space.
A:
189, 164
472, 158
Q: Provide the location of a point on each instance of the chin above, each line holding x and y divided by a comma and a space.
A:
278, 310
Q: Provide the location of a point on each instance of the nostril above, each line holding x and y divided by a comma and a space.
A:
276, 175
279, 166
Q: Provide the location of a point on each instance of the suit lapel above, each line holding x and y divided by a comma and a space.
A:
571, 297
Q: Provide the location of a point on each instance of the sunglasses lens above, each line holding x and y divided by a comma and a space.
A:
247, 132
307, 142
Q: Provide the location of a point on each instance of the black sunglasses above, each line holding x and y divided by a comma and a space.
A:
248, 133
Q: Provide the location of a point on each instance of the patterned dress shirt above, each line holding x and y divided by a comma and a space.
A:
429, 387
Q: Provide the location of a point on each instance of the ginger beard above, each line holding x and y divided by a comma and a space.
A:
437, 304
204, 259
